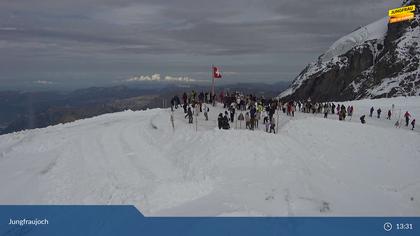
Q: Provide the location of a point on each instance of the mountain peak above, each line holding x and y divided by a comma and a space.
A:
377, 60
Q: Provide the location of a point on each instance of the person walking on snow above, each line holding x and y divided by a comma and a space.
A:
407, 118
273, 125
265, 116
197, 109
371, 111
389, 114
413, 123
267, 126
189, 115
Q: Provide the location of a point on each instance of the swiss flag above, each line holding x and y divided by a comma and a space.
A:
216, 73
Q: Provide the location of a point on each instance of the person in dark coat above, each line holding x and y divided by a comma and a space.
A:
184, 98
172, 103
220, 120
371, 111
407, 118
362, 119
232, 113
252, 113
225, 122
379, 112
413, 123
185, 107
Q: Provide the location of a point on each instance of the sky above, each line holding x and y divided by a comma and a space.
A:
81, 43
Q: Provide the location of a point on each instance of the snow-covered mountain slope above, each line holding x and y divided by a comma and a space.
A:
314, 166
378, 60
374, 31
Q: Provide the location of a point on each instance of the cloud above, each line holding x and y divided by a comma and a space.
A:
157, 77
8, 29
41, 37
180, 79
154, 77
43, 82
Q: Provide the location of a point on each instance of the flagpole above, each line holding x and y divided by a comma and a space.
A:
212, 82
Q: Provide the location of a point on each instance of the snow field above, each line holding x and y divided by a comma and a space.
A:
314, 166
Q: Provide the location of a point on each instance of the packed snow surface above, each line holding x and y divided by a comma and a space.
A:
312, 167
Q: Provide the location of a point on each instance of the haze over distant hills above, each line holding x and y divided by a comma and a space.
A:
34, 109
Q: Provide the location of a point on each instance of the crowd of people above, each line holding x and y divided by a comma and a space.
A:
252, 110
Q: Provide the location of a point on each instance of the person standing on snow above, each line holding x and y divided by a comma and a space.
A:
252, 113
189, 115
407, 118
389, 115
371, 111
185, 107
273, 125
362, 119
326, 111
172, 103
232, 113
342, 113
265, 116
257, 118
379, 112
220, 120
293, 108
267, 126
240, 119
413, 123
206, 111
197, 109
184, 98
247, 120
225, 122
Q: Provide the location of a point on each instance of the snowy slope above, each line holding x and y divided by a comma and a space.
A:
314, 166
376, 30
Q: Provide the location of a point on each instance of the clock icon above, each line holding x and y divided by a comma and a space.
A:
387, 226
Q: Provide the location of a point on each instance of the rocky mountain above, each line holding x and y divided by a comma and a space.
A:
377, 60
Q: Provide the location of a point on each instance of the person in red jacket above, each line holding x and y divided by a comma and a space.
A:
407, 118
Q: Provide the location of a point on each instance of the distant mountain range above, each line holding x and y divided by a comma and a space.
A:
28, 110
377, 60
